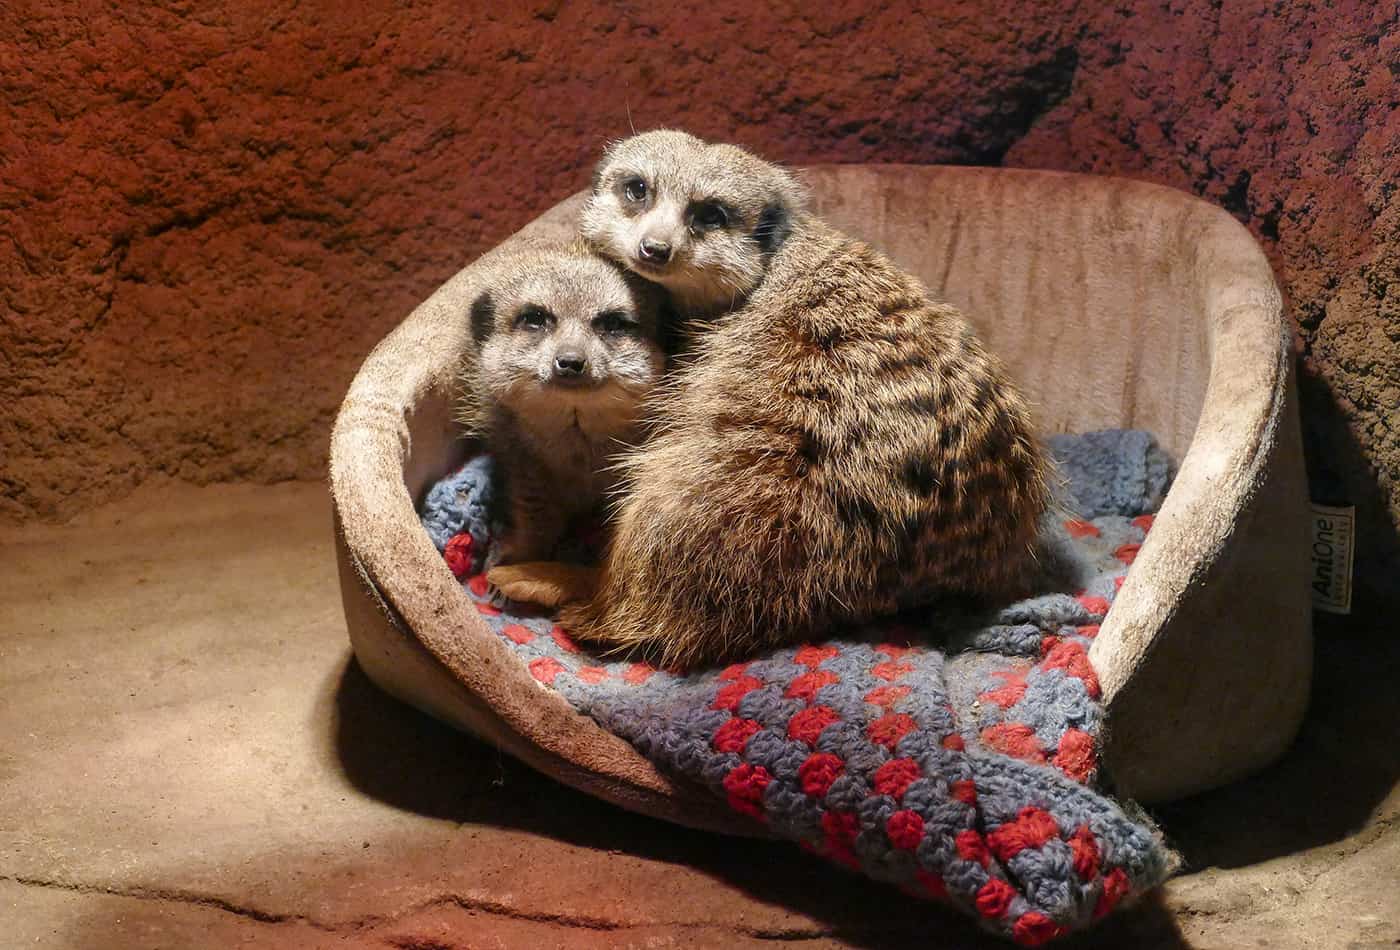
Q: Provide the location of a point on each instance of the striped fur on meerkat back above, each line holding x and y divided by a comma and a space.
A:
566, 346
835, 446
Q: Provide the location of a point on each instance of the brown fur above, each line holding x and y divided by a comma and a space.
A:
836, 447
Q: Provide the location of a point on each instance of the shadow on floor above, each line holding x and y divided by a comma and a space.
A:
408, 760
1330, 782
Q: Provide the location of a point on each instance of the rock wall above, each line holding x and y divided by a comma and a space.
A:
209, 213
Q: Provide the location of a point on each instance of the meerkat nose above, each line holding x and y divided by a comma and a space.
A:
657, 252
569, 363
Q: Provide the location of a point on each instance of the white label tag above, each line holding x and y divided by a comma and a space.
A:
1331, 534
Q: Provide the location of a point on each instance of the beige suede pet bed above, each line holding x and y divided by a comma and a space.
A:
1116, 304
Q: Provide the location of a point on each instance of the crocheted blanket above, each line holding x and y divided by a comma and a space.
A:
951, 754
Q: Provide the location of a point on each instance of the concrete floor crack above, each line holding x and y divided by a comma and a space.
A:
371, 925
169, 896
576, 921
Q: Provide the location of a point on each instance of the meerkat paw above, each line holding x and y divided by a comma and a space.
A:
546, 583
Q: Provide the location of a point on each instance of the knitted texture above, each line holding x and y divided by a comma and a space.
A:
1112, 471
953, 755
461, 504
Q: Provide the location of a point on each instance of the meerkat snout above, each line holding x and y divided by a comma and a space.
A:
569, 365
659, 230
653, 251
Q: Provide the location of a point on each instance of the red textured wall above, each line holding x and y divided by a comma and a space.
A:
210, 212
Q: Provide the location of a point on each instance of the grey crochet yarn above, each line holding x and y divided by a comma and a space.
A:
461, 502
1112, 472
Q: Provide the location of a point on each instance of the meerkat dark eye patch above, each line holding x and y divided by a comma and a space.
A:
708, 216
615, 322
774, 226
533, 317
483, 318
634, 189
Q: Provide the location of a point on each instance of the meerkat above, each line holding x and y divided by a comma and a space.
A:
836, 447
566, 346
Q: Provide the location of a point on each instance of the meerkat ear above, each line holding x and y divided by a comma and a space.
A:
794, 192
774, 226
595, 183
775, 223
483, 318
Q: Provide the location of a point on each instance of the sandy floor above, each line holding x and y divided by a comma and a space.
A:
189, 759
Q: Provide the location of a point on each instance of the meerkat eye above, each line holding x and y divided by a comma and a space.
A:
709, 215
634, 189
532, 317
613, 322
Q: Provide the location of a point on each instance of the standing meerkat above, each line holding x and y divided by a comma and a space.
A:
566, 347
836, 445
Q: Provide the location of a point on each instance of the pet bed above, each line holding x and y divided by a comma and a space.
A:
1116, 304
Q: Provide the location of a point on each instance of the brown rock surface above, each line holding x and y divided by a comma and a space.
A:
209, 214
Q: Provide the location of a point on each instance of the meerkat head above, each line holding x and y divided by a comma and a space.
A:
564, 327
701, 220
